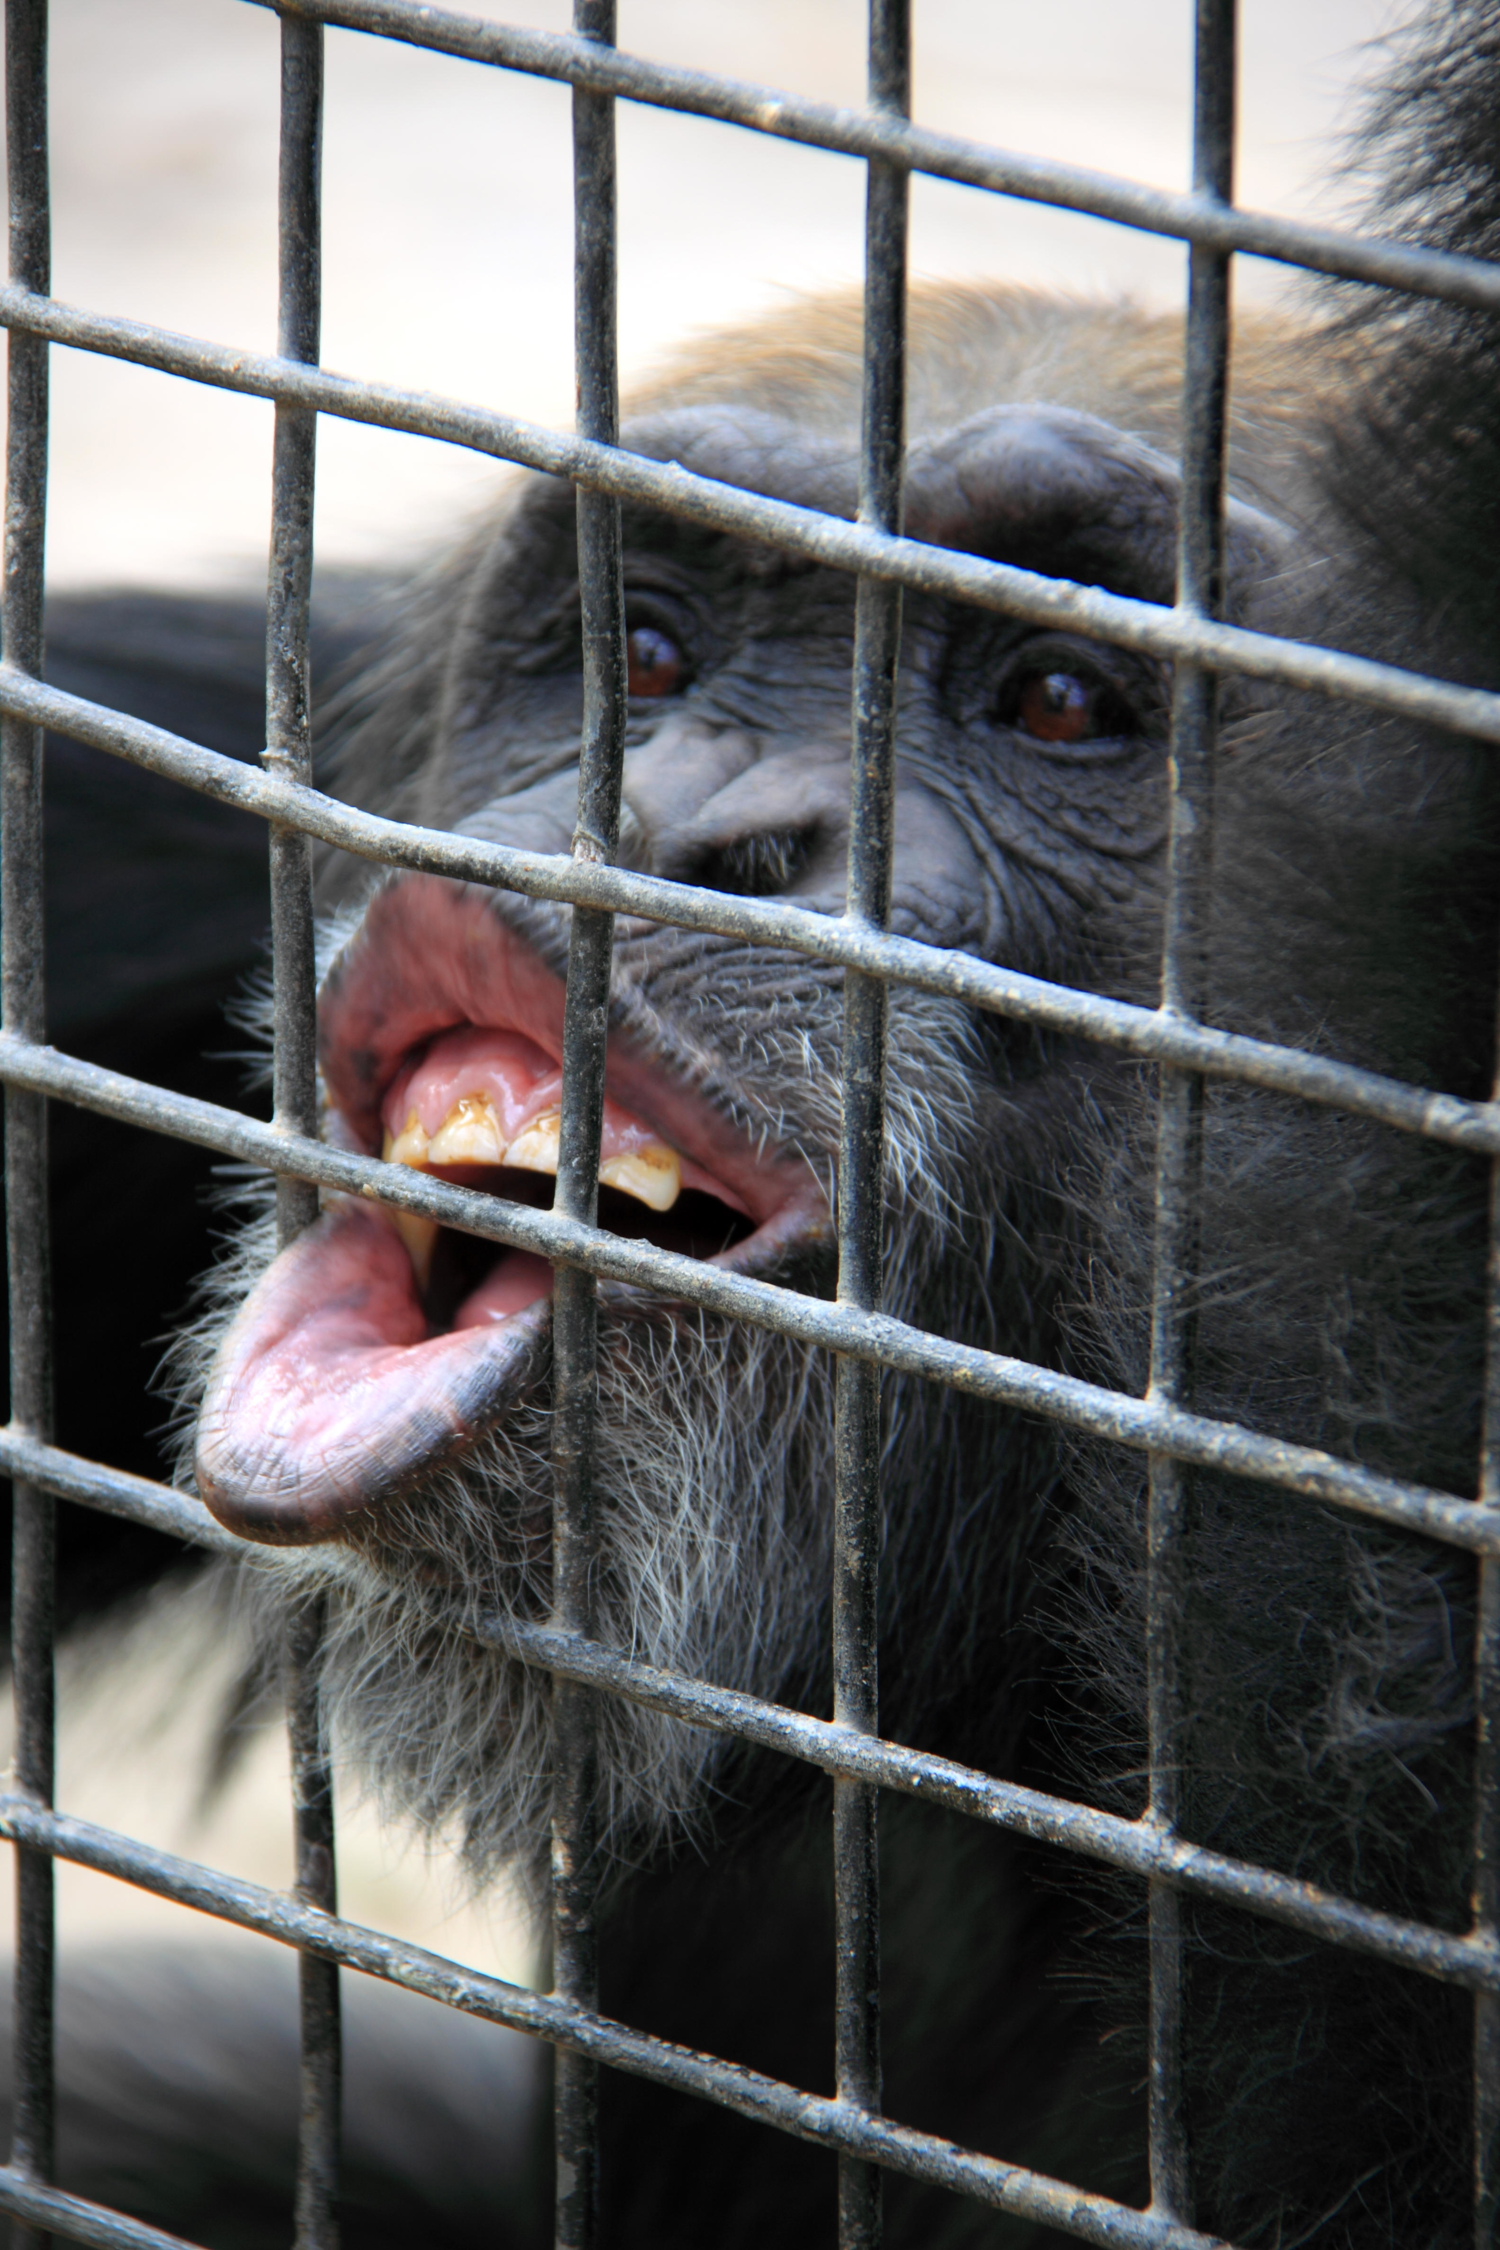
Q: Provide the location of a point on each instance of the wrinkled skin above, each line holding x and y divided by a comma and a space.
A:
375, 1406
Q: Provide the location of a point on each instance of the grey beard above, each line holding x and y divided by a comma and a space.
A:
712, 1508
713, 1486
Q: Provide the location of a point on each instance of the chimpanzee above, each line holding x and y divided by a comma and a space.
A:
372, 1408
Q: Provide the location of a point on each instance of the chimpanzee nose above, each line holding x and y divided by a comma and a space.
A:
707, 807
701, 804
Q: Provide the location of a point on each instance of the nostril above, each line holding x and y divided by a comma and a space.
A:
757, 866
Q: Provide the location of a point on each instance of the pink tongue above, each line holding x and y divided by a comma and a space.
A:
329, 1396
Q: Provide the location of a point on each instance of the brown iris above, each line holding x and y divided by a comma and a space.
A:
1062, 707
655, 661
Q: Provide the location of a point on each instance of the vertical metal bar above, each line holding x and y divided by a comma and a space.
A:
289, 752
321, 2106
24, 1012
1486, 1901
857, 1520
585, 1021
1487, 1789
288, 601
1200, 577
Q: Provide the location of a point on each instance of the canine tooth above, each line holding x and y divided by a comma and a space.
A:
410, 1145
420, 1236
652, 1174
469, 1134
536, 1150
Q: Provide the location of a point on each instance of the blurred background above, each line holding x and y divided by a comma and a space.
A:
447, 267
447, 245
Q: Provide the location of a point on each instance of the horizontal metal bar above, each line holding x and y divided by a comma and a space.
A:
1114, 1415
78, 2220
1146, 1033
944, 156
1135, 1847
115, 1491
1145, 626
809, 2117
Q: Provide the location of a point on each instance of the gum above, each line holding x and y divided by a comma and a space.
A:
522, 1083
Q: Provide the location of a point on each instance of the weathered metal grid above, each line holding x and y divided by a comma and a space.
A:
847, 1747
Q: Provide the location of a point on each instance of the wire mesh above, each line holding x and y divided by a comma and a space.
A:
1163, 1424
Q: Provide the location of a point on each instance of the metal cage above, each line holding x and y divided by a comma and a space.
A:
848, 1748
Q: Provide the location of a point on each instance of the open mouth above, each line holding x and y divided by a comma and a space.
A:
381, 1345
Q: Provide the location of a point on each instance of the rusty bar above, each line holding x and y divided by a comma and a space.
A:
1179, 1155
75, 2219
868, 134
861, 1162
575, 1967
1486, 1892
288, 756
768, 2101
320, 2118
22, 975
1151, 1034
1147, 626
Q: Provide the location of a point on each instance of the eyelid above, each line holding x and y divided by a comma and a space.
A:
645, 606
1049, 652
657, 604
1138, 684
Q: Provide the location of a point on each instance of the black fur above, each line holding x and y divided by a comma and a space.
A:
178, 2076
157, 906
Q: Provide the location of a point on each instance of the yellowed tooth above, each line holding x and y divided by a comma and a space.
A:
410, 1145
469, 1134
652, 1174
420, 1236
536, 1149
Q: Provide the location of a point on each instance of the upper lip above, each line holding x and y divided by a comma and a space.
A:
431, 955
332, 1391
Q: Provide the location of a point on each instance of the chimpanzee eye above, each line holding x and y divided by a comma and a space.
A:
654, 659
1057, 705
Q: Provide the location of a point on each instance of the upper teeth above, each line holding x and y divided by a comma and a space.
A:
537, 1148
652, 1174
470, 1134
410, 1145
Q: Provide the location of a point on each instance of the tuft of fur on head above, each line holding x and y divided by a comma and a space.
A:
1416, 449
